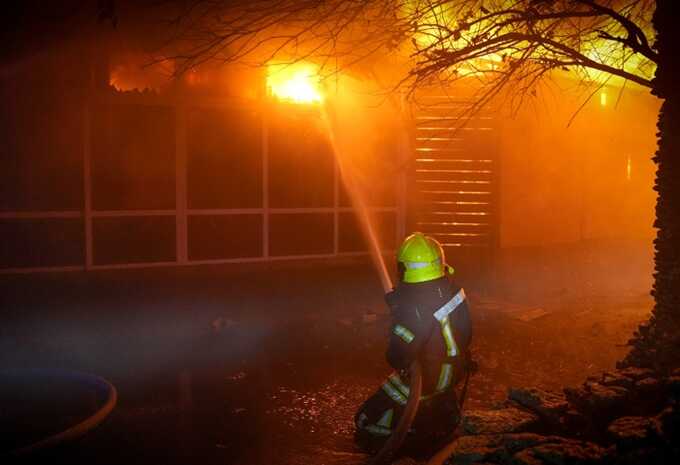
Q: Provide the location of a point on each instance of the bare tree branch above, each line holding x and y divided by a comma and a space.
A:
496, 42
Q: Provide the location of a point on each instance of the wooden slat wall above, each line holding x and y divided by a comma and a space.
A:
455, 176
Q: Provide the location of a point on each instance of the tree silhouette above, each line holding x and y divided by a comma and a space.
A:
657, 343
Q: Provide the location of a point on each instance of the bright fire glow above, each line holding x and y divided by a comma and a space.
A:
298, 82
603, 99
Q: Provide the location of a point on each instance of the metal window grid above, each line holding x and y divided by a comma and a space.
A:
182, 212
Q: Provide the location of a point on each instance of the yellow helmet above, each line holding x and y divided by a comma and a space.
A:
422, 258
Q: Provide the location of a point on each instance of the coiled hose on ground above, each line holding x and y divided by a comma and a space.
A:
99, 384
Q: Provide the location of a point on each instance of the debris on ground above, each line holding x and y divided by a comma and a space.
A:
524, 449
548, 405
531, 314
345, 321
369, 318
622, 417
504, 420
222, 324
238, 376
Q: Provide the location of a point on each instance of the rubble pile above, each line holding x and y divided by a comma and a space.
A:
627, 416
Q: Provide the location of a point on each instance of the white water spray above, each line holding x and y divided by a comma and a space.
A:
358, 201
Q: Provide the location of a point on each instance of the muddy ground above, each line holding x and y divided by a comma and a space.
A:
267, 363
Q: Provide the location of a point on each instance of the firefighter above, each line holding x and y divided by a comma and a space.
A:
431, 323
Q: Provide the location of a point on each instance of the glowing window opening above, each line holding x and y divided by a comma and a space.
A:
432, 181
453, 202
461, 213
449, 223
453, 160
460, 234
296, 83
454, 171
457, 192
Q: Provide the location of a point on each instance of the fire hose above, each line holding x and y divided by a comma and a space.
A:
396, 439
445, 452
392, 445
79, 429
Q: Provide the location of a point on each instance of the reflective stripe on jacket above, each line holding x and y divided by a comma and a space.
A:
430, 321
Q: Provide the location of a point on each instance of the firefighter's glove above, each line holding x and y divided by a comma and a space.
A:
391, 300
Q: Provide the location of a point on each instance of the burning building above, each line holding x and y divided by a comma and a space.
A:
129, 144
128, 163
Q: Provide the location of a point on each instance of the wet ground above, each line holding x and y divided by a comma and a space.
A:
266, 364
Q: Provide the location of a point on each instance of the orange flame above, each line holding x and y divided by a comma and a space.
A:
298, 83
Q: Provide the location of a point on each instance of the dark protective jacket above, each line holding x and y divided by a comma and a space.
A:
417, 333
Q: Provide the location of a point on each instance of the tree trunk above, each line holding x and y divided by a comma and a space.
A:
656, 344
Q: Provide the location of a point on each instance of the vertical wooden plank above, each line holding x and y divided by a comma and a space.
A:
498, 166
182, 238
265, 183
405, 153
336, 205
87, 183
